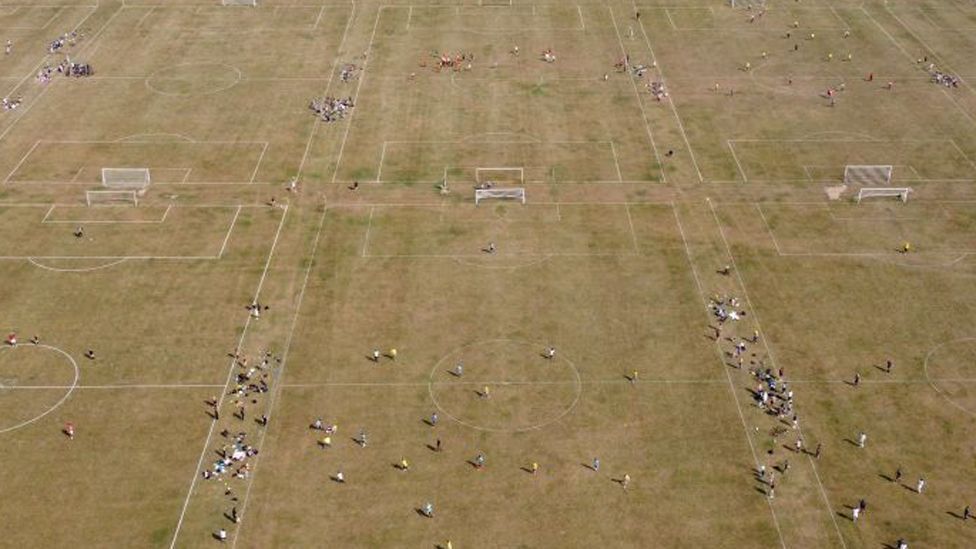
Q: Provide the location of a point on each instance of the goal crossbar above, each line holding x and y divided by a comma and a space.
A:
516, 193
868, 192
239, 2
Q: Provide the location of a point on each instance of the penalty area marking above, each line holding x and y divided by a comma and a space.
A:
56, 405
40, 265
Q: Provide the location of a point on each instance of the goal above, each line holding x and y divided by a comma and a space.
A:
868, 192
239, 2
867, 175
111, 198
504, 176
516, 193
136, 179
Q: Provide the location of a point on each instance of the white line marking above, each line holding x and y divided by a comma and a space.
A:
51, 19
74, 178
319, 18
674, 108
938, 58
51, 209
613, 151
728, 376
843, 22
134, 386
769, 352
328, 86
379, 169
684, 241
369, 227
633, 233
230, 376
43, 60
56, 405
359, 85
503, 382
230, 230
769, 229
579, 10
94, 39
409, 17
21, 163
964, 155
144, 17
256, 166
102, 221
737, 163
668, 13
640, 103
284, 362
886, 33
107, 257
509, 254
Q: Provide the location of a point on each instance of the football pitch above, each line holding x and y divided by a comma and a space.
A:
697, 324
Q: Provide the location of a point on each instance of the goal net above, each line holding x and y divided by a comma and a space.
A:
867, 175
515, 193
239, 2
111, 198
499, 176
126, 178
868, 192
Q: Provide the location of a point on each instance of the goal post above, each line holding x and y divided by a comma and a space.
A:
239, 2
868, 192
509, 176
514, 193
136, 179
111, 198
873, 175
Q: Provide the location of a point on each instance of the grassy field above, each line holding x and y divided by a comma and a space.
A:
634, 207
